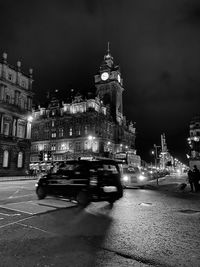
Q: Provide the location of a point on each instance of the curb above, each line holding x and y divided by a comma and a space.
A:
17, 178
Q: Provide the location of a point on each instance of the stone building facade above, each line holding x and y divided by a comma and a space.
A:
84, 127
15, 118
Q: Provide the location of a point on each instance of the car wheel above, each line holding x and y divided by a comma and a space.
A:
111, 201
82, 199
41, 192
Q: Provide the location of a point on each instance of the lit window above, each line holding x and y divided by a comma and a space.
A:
20, 160
78, 146
52, 123
86, 145
53, 147
6, 128
21, 131
63, 147
60, 132
53, 135
70, 131
5, 158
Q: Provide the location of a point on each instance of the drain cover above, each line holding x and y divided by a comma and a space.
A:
145, 204
189, 211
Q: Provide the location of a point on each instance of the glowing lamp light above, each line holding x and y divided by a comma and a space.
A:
91, 137
141, 177
30, 118
125, 178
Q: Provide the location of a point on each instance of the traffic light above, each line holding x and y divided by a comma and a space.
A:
49, 155
41, 156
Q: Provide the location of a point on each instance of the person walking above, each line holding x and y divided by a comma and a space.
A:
191, 179
196, 174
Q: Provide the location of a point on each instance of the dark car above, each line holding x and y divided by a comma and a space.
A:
84, 181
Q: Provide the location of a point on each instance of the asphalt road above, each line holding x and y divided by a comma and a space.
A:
145, 228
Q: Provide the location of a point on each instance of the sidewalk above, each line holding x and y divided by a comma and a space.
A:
17, 178
171, 184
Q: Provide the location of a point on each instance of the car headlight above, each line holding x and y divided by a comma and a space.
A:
125, 178
141, 177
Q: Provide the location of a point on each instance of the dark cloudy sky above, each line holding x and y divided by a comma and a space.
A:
156, 43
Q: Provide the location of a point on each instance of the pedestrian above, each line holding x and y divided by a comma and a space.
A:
196, 174
191, 179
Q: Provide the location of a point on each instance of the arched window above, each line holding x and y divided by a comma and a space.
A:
20, 160
5, 158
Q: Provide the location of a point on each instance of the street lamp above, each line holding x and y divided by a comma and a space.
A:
30, 118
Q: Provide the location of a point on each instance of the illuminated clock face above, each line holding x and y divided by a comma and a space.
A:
104, 76
118, 78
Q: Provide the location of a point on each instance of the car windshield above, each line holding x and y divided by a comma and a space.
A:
130, 170
69, 167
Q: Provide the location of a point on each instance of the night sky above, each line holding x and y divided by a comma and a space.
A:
156, 43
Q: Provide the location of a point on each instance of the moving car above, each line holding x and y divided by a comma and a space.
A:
84, 181
133, 177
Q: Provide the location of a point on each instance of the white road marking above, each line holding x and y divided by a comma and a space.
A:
14, 193
36, 228
21, 196
5, 207
5, 214
8, 224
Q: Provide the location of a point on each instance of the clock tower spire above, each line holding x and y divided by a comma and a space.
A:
109, 85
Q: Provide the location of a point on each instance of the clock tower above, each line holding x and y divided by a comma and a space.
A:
109, 86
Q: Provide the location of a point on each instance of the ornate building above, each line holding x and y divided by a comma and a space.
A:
84, 127
15, 118
194, 142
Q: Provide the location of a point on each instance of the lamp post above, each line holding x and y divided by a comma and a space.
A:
155, 153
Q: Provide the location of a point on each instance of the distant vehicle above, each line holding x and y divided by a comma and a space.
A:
133, 177
132, 174
84, 181
128, 158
